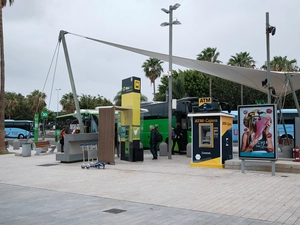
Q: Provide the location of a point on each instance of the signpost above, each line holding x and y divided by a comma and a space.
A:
36, 127
44, 115
260, 102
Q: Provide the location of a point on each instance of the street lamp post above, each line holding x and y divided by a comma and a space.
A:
272, 30
170, 24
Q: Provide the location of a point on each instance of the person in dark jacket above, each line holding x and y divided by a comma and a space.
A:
153, 142
178, 137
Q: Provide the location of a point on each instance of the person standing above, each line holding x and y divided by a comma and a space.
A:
62, 139
153, 142
177, 139
156, 140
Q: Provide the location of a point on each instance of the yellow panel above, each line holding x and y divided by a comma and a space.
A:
212, 163
226, 124
133, 100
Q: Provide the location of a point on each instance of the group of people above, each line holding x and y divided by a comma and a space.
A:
177, 135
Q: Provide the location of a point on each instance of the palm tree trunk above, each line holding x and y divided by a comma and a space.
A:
210, 94
2, 76
242, 94
153, 90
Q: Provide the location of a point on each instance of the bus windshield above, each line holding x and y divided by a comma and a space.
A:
70, 121
18, 129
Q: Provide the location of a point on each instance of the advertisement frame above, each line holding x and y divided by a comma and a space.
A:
259, 148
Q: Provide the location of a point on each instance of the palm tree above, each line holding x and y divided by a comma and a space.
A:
67, 102
2, 77
280, 63
86, 101
152, 68
211, 55
10, 104
36, 101
242, 59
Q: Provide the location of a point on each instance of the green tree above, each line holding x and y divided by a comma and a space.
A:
187, 83
91, 102
2, 77
67, 102
197, 83
100, 101
210, 55
242, 59
152, 68
178, 88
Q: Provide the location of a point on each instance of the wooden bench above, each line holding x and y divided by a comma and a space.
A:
44, 146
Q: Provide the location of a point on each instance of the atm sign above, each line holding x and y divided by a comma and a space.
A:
203, 101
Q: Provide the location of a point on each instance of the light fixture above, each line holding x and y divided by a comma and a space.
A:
272, 30
167, 73
175, 6
165, 10
273, 90
176, 22
164, 24
264, 82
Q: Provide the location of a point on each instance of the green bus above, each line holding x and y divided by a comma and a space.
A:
157, 115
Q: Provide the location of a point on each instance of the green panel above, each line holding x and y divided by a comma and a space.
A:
162, 123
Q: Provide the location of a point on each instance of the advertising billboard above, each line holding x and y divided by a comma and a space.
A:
257, 131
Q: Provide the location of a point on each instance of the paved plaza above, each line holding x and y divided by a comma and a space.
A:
41, 190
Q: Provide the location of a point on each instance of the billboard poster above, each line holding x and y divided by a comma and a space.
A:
257, 132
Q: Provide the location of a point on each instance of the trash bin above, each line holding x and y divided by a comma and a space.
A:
189, 150
163, 149
138, 153
287, 151
16, 145
26, 150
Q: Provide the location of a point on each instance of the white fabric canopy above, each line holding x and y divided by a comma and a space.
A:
249, 77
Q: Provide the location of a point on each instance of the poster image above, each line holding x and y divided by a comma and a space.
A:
257, 137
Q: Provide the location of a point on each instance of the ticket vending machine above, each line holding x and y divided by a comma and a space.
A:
211, 139
130, 120
125, 143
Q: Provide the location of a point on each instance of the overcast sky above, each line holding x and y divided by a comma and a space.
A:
31, 30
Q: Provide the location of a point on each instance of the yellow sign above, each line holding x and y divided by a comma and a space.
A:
203, 101
137, 85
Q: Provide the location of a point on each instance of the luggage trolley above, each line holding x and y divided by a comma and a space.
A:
84, 148
92, 153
